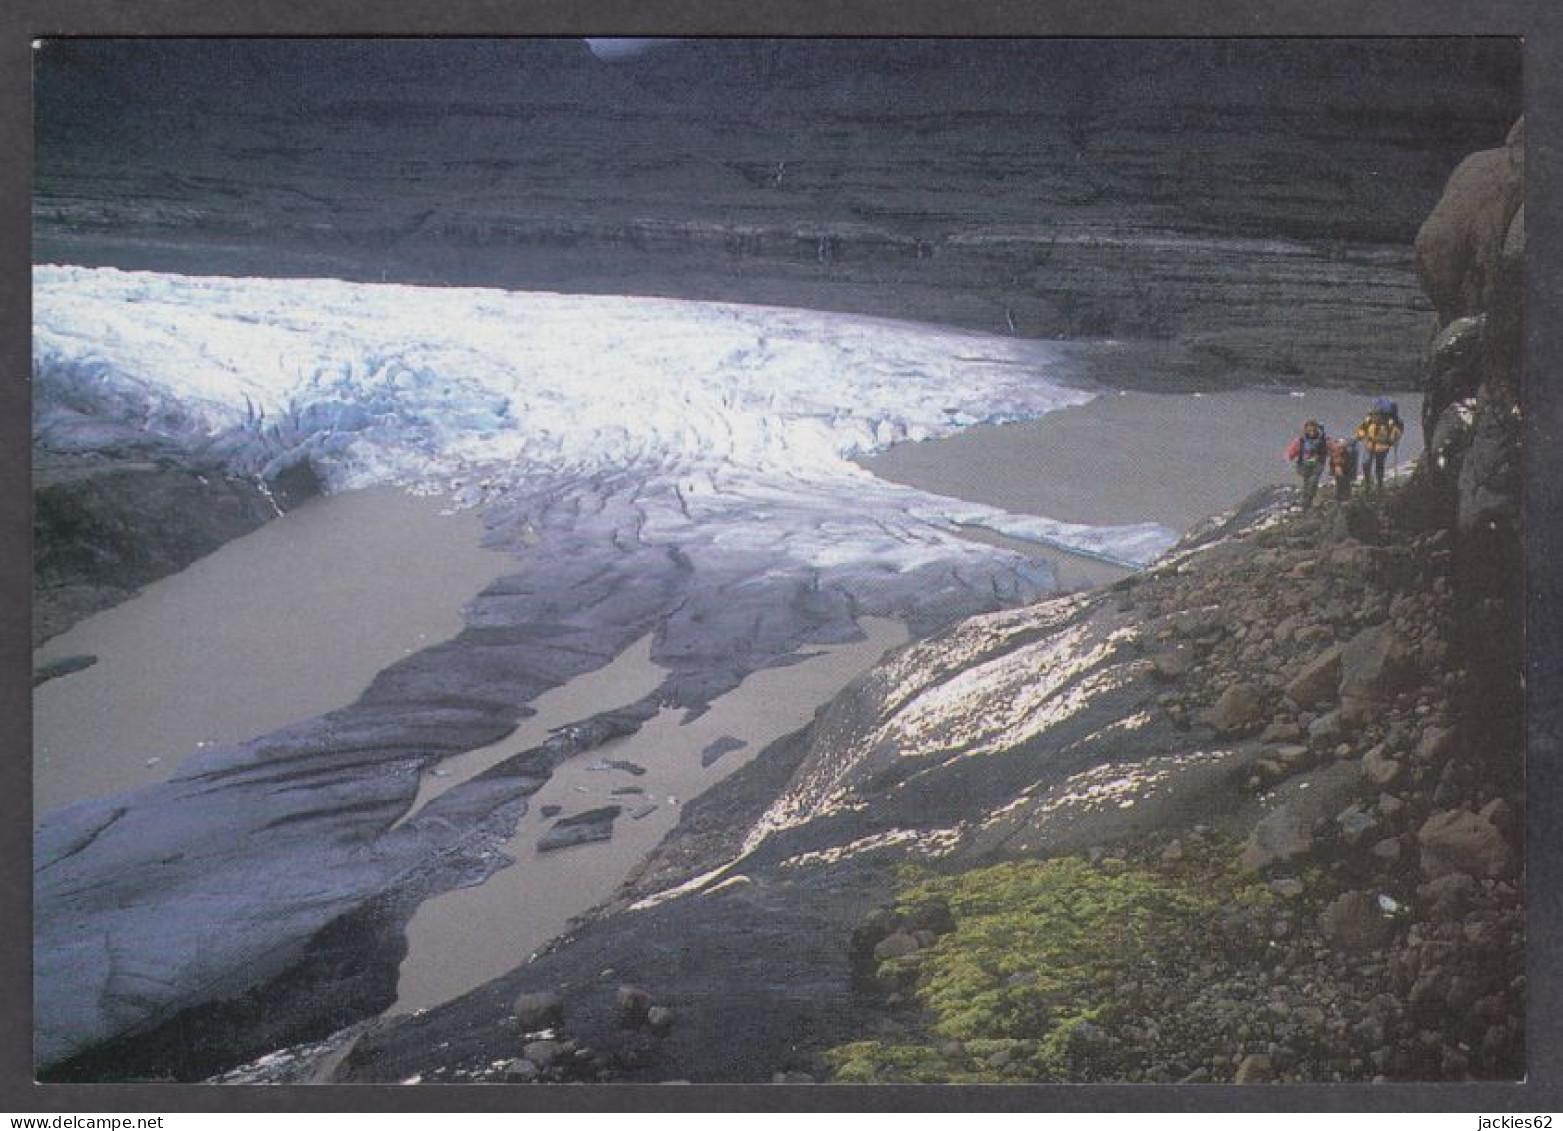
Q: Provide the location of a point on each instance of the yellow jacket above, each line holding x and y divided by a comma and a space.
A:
1379, 431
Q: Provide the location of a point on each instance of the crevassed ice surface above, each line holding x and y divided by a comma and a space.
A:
727, 417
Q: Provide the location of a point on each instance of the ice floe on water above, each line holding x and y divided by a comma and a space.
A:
727, 417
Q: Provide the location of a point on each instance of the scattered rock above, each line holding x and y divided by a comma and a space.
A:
660, 1018
1436, 745
898, 945
539, 1010
1376, 665
1173, 664
1327, 729
520, 1072
1378, 767
1353, 921
1241, 707
1355, 823
634, 1005
1255, 1068
583, 828
1461, 841
543, 1054
1318, 682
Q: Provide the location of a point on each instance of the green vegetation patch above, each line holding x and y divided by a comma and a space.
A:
1024, 986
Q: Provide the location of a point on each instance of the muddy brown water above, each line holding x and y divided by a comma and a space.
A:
288, 622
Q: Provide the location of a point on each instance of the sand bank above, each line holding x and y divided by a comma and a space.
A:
283, 624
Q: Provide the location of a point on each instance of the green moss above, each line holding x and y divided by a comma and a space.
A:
1038, 950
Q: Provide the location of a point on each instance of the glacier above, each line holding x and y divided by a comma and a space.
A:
654, 466
726, 413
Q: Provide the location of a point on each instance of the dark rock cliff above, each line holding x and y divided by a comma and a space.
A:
1191, 196
1471, 256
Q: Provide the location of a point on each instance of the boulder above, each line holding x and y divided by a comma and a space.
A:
898, 945
1255, 1068
1457, 840
1327, 729
1356, 822
1318, 681
538, 1010
1435, 745
1286, 832
634, 1004
1281, 836
1173, 664
544, 1054
1378, 767
1376, 665
1241, 707
520, 1072
1354, 922
1448, 897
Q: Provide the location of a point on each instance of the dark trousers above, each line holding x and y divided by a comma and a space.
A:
1374, 472
1311, 473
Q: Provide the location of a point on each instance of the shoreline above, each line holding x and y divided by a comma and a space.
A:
1099, 462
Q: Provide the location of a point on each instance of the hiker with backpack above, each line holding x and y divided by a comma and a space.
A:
1309, 453
1379, 432
1343, 467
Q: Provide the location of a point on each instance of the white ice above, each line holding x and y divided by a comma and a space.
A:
744, 415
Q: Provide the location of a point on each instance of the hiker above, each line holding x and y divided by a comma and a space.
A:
1343, 467
1379, 431
1309, 453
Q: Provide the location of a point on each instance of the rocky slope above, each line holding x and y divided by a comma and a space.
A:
1283, 695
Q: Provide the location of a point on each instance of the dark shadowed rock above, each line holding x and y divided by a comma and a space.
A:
1463, 842
634, 1005
1353, 921
538, 1010
1376, 665
899, 945
1449, 896
1378, 767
